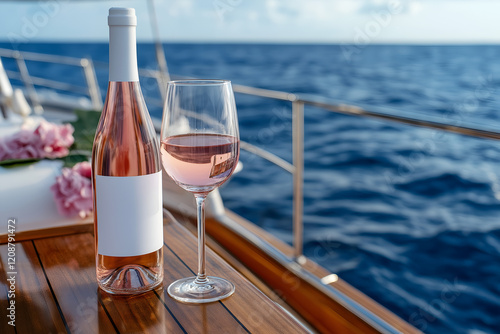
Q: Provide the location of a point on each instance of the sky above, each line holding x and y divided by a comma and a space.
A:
281, 21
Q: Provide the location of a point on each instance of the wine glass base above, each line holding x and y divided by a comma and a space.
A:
187, 291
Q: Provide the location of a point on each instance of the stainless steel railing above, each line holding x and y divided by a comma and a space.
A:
91, 89
298, 103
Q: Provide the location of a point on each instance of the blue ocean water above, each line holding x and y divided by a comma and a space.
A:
409, 216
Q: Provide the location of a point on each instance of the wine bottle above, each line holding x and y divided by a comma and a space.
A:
126, 174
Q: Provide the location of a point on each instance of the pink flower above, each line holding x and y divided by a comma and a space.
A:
84, 169
73, 191
21, 145
48, 140
56, 139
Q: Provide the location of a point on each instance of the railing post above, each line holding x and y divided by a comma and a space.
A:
298, 178
28, 83
92, 85
161, 81
164, 77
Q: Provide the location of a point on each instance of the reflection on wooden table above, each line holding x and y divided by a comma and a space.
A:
56, 292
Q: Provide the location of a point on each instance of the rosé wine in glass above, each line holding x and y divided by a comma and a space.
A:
199, 162
199, 150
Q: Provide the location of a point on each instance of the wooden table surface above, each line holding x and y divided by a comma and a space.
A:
56, 292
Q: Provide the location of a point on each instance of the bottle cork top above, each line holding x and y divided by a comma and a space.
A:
122, 17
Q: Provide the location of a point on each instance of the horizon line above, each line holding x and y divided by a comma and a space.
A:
277, 42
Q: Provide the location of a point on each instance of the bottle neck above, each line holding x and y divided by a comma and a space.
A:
122, 54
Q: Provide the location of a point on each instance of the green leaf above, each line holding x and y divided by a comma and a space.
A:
72, 159
17, 162
85, 127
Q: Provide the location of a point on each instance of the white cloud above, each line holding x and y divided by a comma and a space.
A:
253, 15
312, 10
280, 12
270, 20
178, 7
415, 7
347, 7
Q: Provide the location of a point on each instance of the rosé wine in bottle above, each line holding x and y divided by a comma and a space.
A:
126, 174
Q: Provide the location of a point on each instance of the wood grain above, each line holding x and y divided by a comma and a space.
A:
208, 318
4, 300
70, 267
56, 292
275, 275
326, 316
144, 313
85, 226
262, 316
32, 293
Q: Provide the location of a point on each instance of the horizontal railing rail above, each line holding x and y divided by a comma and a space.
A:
297, 169
91, 89
358, 111
42, 57
273, 158
47, 83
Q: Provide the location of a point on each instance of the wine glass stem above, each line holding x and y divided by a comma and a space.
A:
201, 278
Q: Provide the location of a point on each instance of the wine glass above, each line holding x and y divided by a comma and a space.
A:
199, 151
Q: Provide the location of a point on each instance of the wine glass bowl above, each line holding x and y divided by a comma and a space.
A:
199, 151
199, 162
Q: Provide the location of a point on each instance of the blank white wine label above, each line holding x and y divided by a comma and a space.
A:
129, 214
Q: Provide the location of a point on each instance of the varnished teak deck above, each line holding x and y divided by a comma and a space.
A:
56, 292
